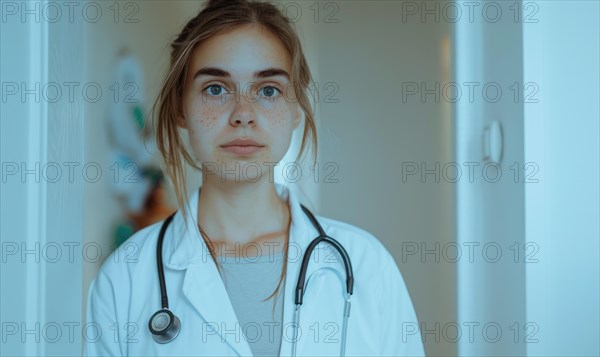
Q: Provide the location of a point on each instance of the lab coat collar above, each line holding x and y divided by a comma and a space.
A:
202, 284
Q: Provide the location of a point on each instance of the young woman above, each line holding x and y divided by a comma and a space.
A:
237, 270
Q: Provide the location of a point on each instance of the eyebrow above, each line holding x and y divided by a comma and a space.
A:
217, 72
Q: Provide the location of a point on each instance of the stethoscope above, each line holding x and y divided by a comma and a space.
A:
165, 326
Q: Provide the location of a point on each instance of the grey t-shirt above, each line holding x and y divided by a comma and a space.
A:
248, 282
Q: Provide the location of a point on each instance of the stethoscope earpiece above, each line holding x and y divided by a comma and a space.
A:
164, 326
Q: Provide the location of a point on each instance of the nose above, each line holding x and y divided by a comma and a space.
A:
243, 114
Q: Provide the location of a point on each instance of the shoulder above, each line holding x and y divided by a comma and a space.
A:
358, 242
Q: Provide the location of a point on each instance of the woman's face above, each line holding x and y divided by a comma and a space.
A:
238, 87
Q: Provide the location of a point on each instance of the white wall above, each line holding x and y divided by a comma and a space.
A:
366, 58
561, 132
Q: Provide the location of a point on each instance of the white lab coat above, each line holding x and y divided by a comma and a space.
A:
126, 293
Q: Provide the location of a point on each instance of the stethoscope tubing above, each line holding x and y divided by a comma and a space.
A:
167, 336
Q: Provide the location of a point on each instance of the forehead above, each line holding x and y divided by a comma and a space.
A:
241, 51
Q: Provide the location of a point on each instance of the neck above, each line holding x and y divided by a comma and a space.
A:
234, 214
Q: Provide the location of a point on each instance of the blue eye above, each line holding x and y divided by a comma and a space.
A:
269, 91
214, 89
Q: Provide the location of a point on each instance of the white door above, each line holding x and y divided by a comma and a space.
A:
41, 210
490, 196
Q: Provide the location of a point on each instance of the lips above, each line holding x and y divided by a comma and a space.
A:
243, 142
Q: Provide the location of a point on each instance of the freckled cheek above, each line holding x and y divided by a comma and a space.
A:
204, 122
277, 114
206, 116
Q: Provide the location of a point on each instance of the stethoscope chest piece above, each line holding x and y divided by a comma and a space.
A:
164, 326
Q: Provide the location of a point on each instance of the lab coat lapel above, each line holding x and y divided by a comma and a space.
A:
202, 284
209, 297
320, 320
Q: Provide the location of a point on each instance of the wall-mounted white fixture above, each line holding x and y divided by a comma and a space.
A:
492, 142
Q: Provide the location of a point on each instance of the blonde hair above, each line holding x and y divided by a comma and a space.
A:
215, 17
